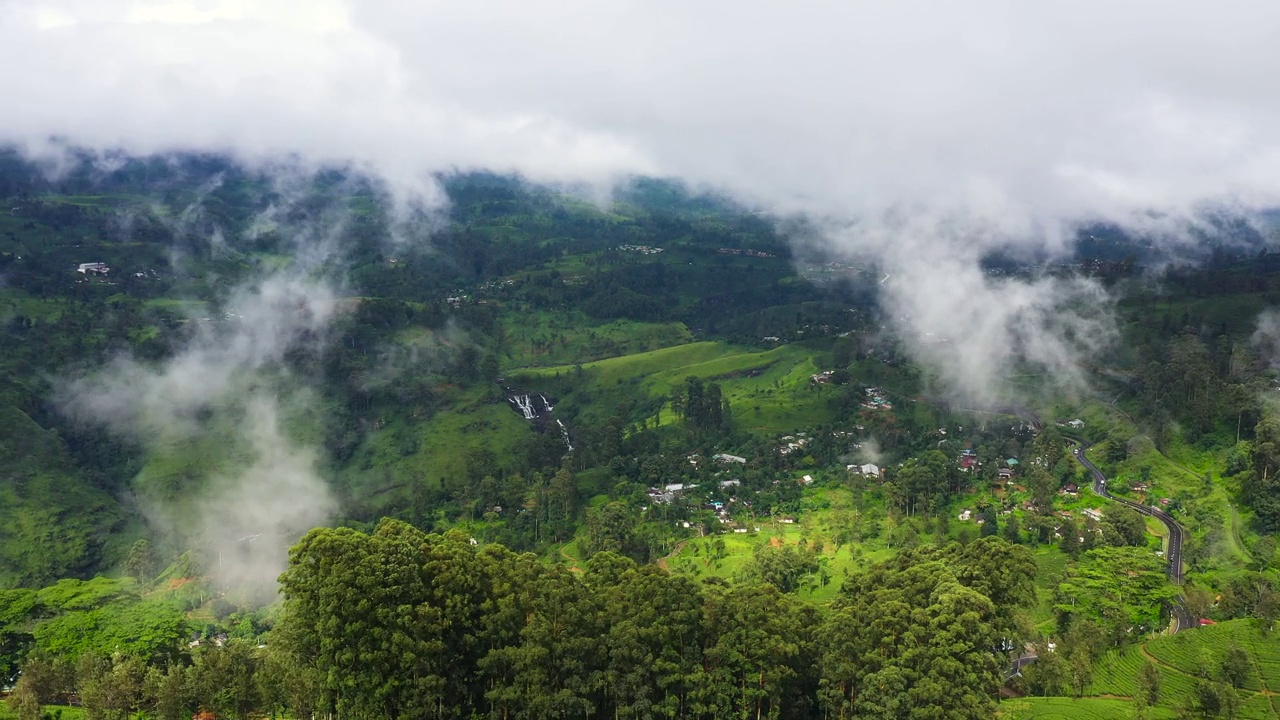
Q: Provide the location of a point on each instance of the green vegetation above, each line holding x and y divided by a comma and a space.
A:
1175, 675
1072, 709
754, 450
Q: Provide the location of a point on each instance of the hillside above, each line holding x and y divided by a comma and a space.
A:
552, 395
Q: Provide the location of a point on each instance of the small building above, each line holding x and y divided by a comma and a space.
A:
1070, 489
965, 515
1093, 514
93, 268
1075, 424
807, 479
869, 469
730, 483
727, 458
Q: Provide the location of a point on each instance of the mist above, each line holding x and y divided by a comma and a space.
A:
1003, 126
228, 385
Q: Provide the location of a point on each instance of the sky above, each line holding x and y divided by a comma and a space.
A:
1010, 115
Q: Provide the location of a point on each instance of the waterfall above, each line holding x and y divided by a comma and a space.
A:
564, 432
536, 408
525, 404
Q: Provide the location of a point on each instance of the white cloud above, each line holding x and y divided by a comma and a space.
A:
1020, 118
1050, 109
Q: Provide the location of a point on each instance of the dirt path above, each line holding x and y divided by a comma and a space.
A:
663, 561
1162, 663
573, 562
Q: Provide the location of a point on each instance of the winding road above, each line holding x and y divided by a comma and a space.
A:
1182, 618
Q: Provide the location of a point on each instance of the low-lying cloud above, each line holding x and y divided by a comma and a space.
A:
1025, 119
244, 505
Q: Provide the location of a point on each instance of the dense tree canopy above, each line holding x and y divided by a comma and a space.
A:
405, 624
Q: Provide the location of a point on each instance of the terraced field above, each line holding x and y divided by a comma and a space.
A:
769, 390
1182, 659
1117, 672
1056, 708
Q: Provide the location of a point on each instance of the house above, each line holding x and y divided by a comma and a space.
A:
965, 515
1070, 489
730, 483
869, 469
1075, 424
807, 479
93, 268
1005, 473
1093, 514
727, 458
659, 497
968, 462
678, 487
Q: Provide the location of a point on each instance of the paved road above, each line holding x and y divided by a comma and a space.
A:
1173, 553
1019, 662
1182, 618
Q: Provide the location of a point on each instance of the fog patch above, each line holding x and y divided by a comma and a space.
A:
1266, 338
971, 327
229, 378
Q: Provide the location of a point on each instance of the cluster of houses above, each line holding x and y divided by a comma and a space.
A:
720, 508
642, 249
1007, 472
669, 492
792, 443
744, 251
968, 462
867, 469
876, 400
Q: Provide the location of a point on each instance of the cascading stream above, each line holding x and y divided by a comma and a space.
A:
536, 408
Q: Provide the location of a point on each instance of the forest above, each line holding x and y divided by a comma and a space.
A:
281, 460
